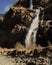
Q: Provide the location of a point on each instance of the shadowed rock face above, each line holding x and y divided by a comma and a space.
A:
36, 3
48, 14
19, 18
44, 34
16, 23
24, 3
40, 2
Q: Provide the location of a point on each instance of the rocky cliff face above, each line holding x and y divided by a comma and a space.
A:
18, 19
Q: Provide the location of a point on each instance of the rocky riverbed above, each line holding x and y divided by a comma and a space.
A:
15, 57
7, 60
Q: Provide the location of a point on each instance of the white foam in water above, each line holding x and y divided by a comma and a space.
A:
33, 28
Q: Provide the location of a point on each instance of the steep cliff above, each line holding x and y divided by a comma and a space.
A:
18, 19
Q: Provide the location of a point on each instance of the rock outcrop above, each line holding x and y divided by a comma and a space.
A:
18, 19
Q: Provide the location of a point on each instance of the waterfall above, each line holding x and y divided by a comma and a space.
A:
31, 5
33, 30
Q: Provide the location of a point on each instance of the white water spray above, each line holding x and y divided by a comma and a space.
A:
33, 29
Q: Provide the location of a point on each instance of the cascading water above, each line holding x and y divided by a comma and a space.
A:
30, 38
31, 5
